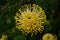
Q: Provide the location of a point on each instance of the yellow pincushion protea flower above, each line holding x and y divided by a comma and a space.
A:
49, 37
30, 18
4, 37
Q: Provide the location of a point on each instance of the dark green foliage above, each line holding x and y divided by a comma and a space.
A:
7, 21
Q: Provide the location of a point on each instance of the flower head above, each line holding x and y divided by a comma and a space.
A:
4, 37
49, 37
30, 19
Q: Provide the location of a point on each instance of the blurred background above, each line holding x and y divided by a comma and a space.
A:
8, 8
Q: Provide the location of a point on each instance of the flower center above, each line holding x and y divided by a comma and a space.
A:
48, 38
29, 17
